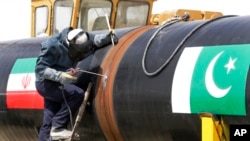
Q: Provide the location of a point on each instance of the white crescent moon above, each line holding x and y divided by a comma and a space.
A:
211, 86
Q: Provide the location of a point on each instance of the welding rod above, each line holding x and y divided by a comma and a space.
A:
105, 76
107, 20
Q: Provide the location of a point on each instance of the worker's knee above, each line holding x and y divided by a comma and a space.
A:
71, 88
74, 90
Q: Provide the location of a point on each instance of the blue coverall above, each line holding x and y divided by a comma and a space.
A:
54, 54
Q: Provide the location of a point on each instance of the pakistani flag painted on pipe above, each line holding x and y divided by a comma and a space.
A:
211, 79
21, 90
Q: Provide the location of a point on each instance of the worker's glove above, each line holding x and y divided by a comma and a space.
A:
58, 76
66, 78
101, 40
113, 36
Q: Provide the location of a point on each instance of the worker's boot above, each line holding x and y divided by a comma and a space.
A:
60, 134
76, 137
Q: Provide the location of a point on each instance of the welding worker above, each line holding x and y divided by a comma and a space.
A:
55, 68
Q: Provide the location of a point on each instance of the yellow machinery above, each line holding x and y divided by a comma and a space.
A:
193, 15
51, 16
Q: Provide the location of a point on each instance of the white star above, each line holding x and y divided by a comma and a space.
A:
230, 64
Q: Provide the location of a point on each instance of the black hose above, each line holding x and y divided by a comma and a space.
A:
179, 45
67, 105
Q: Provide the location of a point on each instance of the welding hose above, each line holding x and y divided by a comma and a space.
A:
179, 45
67, 105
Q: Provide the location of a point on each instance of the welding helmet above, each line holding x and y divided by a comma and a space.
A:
79, 45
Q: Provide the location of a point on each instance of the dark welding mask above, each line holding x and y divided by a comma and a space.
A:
80, 46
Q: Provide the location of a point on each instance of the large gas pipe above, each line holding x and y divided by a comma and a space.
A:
141, 99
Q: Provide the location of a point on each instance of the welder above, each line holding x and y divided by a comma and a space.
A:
56, 75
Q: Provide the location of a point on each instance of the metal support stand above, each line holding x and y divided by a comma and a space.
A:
213, 129
80, 112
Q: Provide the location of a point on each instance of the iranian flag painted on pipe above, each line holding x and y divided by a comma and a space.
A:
21, 90
211, 79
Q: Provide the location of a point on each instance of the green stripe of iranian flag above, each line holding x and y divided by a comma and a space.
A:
211, 79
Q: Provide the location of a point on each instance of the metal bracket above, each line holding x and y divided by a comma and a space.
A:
213, 128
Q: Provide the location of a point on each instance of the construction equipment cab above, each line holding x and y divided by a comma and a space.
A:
51, 16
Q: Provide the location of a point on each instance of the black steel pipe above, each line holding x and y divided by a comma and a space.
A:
141, 105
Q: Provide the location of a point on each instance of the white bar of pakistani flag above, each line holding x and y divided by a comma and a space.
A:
182, 79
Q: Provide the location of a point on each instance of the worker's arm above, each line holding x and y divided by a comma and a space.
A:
101, 40
59, 76
45, 62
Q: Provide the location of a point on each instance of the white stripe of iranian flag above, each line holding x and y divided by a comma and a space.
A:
21, 82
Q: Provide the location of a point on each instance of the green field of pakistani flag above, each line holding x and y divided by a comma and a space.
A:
211, 79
